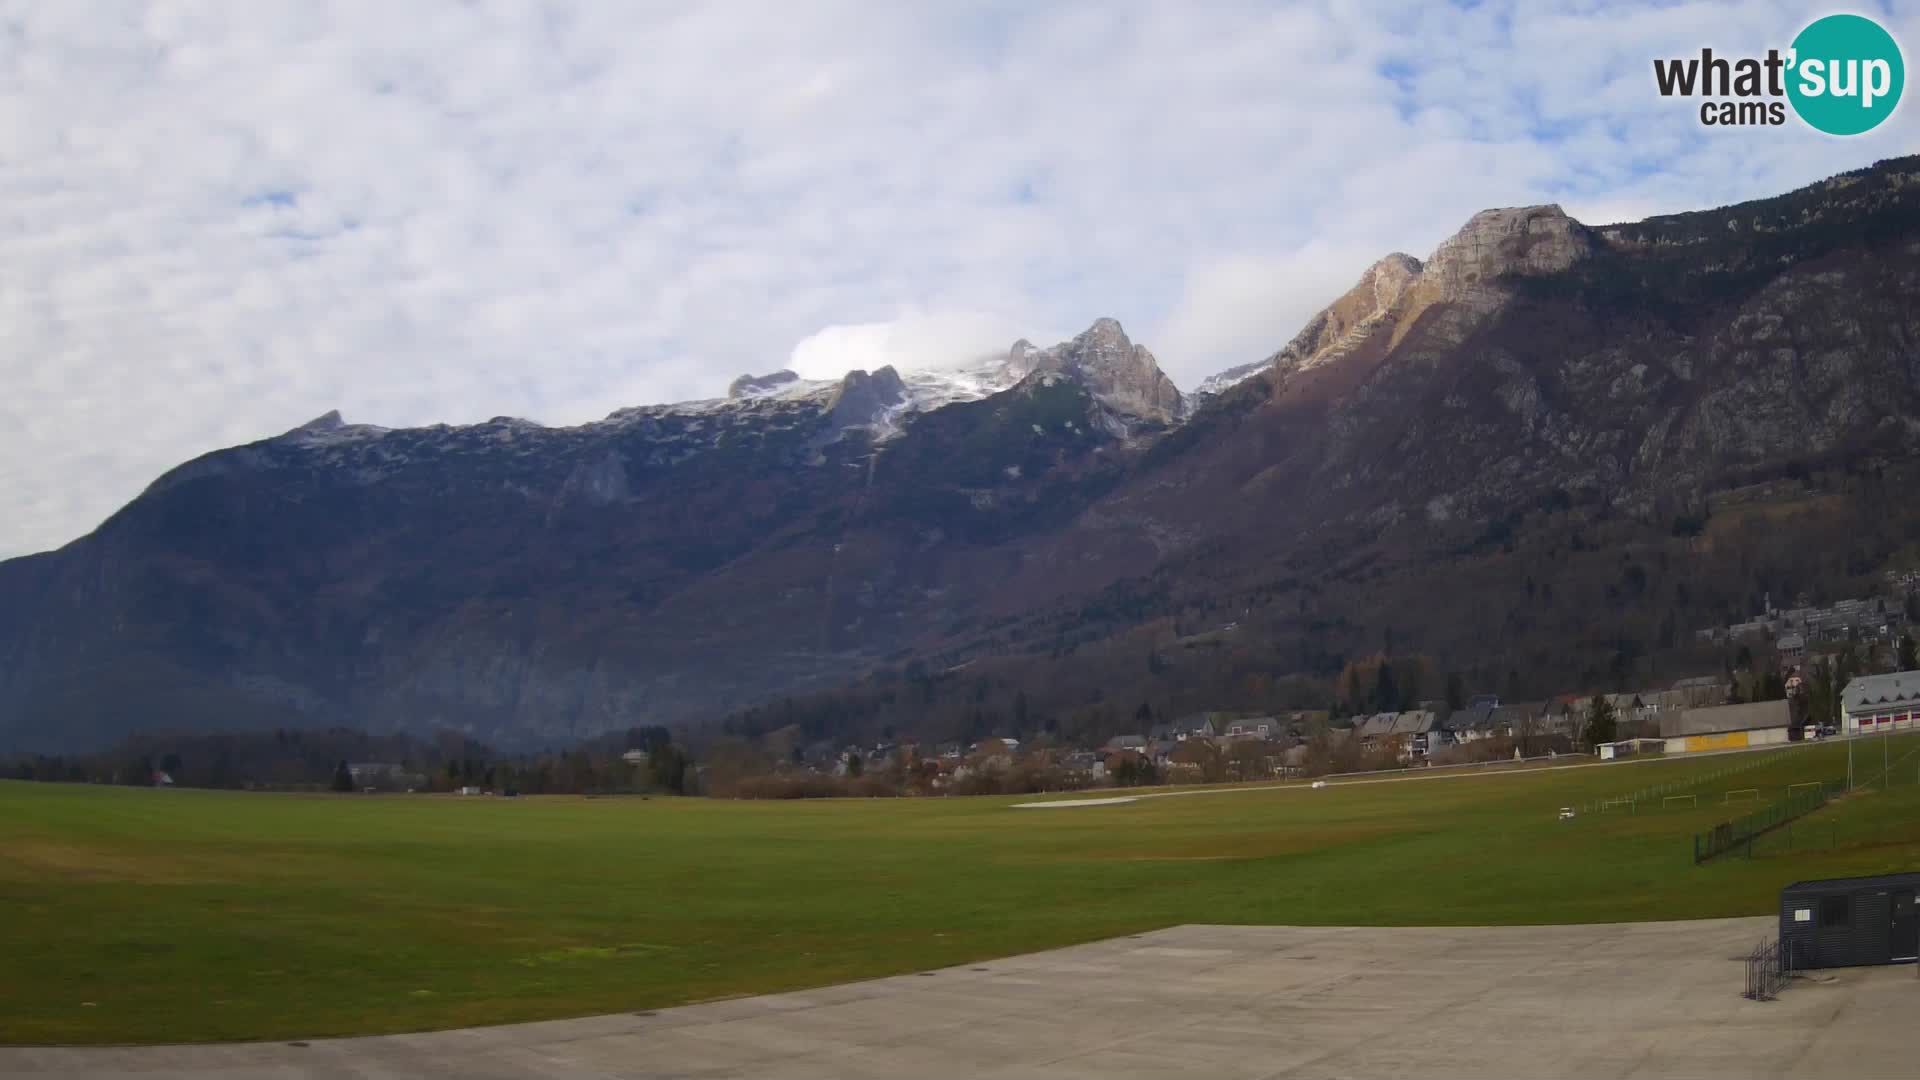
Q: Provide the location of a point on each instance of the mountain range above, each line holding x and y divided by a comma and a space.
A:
1540, 455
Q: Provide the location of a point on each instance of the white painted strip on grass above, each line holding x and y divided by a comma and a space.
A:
1074, 802
1414, 776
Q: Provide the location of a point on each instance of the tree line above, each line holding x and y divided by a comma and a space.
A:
323, 760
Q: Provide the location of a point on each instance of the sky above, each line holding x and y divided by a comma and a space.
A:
219, 220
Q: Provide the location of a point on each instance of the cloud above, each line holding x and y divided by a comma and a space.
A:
223, 219
914, 340
1247, 306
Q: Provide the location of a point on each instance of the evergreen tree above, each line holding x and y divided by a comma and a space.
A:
1846, 665
342, 777
1386, 695
1908, 660
1772, 687
1822, 695
137, 773
667, 767
1601, 720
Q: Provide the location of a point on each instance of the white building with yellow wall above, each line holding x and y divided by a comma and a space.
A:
1725, 727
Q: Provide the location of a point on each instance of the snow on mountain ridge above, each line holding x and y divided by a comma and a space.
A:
1220, 382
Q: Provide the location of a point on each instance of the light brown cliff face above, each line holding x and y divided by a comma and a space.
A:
1468, 279
1348, 321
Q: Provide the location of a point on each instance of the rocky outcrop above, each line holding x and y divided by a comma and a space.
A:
1468, 280
1529, 241
749, 386
1347, 322
1021, 359
863, 400
1123, 376
326, 422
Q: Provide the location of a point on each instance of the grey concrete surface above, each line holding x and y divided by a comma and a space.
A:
1630, 1000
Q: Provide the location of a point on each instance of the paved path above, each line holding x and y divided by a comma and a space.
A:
1645, 999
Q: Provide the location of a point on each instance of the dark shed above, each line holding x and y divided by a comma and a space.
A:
1847, 922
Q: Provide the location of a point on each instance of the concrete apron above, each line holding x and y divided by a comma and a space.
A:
1631, 999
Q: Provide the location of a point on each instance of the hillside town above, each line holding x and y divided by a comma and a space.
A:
1795, 629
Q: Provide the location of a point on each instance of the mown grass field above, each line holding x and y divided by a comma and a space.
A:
176, 916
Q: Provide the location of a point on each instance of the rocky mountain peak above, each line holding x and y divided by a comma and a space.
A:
1389, 277
1525, 240
1103, 346
756, 385
1124, 376
1347, 323
863, 399
1020, 358
320, 425
1105, 333
1375, 315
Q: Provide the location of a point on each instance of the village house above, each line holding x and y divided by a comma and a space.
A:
1632, 713
1791, 647
1371, 730
1515, 720
1472, 723
1257, 727
1419, 732
368, 773
1083, 761
1565, 715
1304, 721
1184, 762
1698, 692
993, 755
1196, 726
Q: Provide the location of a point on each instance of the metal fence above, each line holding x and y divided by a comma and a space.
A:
1739, 833
1656, 794
1768, 968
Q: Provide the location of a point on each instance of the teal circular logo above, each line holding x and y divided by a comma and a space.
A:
1846, 74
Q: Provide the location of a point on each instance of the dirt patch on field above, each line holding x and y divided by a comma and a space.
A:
40, 860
